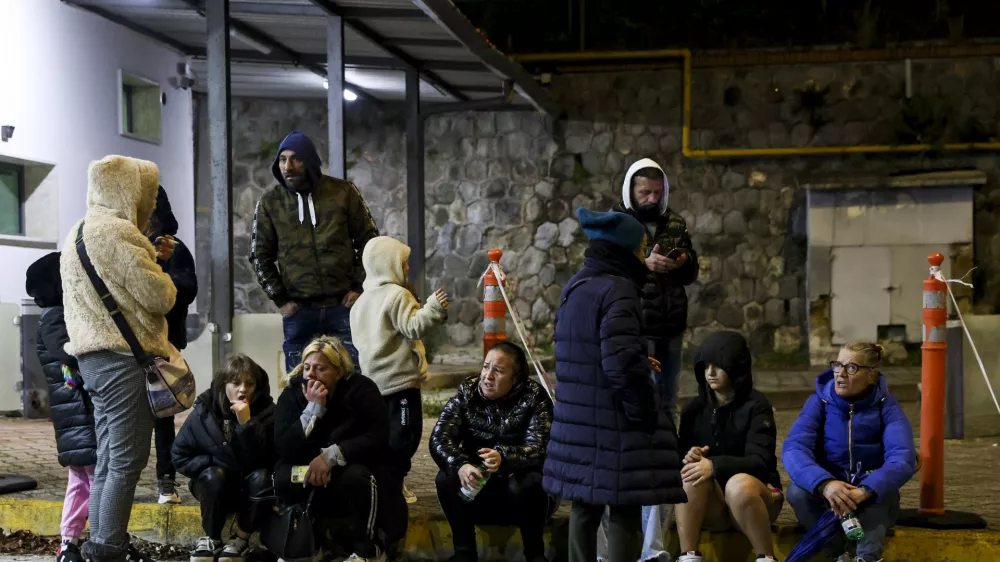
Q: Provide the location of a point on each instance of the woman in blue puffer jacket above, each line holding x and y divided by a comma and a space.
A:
611, 442
851, 449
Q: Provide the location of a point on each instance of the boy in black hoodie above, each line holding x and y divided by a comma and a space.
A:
226, 448
730, 470
177, 262
72, 411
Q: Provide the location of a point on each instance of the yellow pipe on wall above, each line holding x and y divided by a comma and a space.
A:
688, 152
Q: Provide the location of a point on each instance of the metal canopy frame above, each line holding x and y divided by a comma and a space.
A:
222, 17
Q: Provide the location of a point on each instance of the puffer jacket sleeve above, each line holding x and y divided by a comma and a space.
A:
445, 442
900, 453
369, 446
52, 332
798, 452
264, 254
255, 440
759, 454
189, 455
531, 455
624, 360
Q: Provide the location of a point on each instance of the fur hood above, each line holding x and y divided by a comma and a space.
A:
121, 195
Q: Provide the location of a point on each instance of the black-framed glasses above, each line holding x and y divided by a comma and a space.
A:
852, 368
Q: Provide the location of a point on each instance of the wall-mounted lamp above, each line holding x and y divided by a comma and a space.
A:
6, 131
348, 94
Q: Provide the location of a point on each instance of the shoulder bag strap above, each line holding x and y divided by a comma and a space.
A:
109, 302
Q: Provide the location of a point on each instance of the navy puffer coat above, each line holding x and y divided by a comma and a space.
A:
610, 443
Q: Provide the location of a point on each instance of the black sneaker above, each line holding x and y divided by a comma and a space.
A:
206, 550
69, 553
166, 491
236, 550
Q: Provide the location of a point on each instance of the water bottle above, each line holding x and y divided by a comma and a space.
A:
469, 494
852, 527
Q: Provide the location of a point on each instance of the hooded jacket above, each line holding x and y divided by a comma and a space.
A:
834, 439
306, 245
355, 420
517, 425
610, 443
211, 435
386, 319
740, 434
664, 300
121, 194
72, 410
180, 268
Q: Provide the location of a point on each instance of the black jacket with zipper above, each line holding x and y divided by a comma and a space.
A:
211, 436
356, 420
740, 434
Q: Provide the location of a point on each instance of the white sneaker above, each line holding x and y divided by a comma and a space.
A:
409, 496
236, 550
206, 550
166, 489
689, 557
766, 559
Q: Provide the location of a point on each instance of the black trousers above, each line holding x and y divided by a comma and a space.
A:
405, 434
516, 500
222, 492
352, 492
164, 433
624, 533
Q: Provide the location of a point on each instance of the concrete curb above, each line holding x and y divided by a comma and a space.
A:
430, 538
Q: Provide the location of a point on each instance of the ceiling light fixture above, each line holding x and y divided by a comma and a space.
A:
257, 45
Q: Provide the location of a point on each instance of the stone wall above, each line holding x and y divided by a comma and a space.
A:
511, 180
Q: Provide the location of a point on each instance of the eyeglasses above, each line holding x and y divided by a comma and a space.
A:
852, 368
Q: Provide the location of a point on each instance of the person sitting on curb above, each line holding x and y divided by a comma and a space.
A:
496, 428
730, 470
851, 449
335, 423
226, 448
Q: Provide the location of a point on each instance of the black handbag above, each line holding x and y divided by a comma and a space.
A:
288, 532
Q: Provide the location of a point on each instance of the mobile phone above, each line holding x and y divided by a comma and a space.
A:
675, 254
299, 474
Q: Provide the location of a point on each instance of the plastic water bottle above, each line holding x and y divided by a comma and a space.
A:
852, 527
469, 494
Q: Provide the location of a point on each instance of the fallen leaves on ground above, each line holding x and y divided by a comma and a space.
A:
23, 542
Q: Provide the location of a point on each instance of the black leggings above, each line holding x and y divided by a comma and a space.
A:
222, 492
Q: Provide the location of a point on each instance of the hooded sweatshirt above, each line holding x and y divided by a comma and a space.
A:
180, 268
387, 320
121, 194
740, 434
306, 244
664, 300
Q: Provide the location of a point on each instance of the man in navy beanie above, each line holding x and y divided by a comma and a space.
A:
611, 443
309, 232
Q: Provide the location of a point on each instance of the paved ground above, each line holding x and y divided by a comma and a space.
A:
29, 448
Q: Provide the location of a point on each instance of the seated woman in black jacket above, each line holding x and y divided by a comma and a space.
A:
497, 425
226, 448
336, 423
730, 471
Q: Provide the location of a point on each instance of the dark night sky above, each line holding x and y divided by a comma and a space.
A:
522, 26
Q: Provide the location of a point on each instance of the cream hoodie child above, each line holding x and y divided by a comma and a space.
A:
387, 321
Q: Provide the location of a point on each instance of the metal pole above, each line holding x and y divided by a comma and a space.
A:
335, 94
221, 169
954, 381
415, 182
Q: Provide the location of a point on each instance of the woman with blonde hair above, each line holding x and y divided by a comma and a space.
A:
851, 449
336, 424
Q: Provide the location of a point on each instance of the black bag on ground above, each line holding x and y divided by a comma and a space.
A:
288, 531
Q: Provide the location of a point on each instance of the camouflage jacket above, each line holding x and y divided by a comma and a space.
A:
317, 265
664, 300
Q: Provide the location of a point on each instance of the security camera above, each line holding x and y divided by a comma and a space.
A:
185, 79
6, 131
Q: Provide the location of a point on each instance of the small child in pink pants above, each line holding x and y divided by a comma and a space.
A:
72, 411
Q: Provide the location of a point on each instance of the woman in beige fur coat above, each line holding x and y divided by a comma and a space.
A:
121, 195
